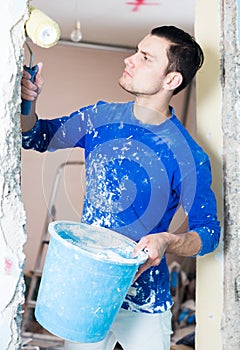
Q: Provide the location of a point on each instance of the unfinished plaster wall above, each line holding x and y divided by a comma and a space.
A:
218, 294
12, 215
231, 128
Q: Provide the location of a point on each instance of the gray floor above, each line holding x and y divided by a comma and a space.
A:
35, 341
39, 339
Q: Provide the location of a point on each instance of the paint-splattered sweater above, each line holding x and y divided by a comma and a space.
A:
137, 175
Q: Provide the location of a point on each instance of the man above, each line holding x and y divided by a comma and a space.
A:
141, 165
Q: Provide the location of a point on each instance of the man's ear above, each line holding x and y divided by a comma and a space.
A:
173, 80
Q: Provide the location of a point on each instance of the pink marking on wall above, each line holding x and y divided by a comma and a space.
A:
8, 266
137, 3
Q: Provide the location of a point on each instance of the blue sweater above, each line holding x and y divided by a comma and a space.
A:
137, 175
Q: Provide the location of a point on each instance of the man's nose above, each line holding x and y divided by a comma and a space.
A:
129, 61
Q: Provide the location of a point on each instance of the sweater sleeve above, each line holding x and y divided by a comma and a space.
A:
65, 132
59, 133
200, 207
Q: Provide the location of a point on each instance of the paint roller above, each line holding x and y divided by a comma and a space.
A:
44, 32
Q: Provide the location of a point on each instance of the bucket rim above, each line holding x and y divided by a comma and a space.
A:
138, 260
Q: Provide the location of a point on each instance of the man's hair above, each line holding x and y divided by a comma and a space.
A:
184, 54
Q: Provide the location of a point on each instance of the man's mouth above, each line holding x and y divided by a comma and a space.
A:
127, 73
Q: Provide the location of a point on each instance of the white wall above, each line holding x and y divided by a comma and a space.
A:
12, 217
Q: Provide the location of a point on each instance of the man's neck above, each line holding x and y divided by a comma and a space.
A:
151, 114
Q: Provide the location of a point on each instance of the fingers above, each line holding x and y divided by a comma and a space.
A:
26, 75
28, 89
141, 245
150, 262
31, 90
153, 260
38, 78
142, 268
40, 66
155, 247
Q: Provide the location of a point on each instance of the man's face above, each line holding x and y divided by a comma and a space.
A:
145, 70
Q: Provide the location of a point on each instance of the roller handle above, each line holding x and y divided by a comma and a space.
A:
26, 105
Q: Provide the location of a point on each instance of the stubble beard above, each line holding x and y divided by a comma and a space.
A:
130, 91
135, 92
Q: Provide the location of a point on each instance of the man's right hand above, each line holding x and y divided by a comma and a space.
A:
30, 92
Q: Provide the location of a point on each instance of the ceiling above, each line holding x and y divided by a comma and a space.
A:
117, 22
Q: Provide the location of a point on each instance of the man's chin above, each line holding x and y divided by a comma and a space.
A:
124, 87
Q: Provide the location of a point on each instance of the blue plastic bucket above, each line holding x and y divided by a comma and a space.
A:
87, 273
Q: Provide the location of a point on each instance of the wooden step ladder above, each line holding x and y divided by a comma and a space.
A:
31, 297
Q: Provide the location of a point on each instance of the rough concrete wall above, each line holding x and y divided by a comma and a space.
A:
231, 128
12, 216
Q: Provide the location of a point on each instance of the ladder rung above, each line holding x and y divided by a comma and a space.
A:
46, 241
31, 304
37, 273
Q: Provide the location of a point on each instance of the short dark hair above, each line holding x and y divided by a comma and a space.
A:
184, 54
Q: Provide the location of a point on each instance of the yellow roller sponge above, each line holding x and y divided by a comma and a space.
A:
41, 29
